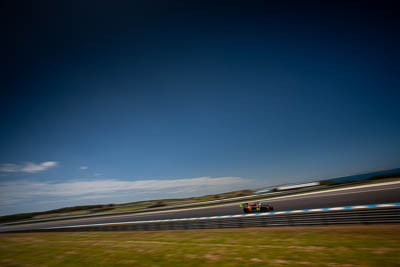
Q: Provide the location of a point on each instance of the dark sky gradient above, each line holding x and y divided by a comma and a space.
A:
172, 89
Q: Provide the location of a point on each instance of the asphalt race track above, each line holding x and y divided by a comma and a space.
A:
379, 194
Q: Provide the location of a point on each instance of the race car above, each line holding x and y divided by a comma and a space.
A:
257, 206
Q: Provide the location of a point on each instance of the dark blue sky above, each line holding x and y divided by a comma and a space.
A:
102, 101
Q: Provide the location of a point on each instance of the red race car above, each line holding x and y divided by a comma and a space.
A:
257, 206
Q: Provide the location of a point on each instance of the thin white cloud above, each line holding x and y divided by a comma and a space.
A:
27, 167
83, 167
94, 197
91, 189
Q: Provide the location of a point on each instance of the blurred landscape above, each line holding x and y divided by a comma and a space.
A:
370, 177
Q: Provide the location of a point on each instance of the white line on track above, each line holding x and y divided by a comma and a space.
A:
328, 195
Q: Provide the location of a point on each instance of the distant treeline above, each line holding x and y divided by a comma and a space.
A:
31, 215
376, 177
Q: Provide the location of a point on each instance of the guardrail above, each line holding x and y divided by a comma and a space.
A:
364, 214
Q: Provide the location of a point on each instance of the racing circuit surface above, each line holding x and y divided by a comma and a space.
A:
377, 194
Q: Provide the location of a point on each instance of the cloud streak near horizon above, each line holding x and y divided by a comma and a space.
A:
28, 167
108, 188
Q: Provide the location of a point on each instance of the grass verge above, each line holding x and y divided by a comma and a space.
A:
297, 246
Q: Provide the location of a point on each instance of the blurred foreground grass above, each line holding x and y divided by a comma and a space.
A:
296, 246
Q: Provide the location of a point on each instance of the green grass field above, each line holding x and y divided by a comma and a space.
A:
295, 246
